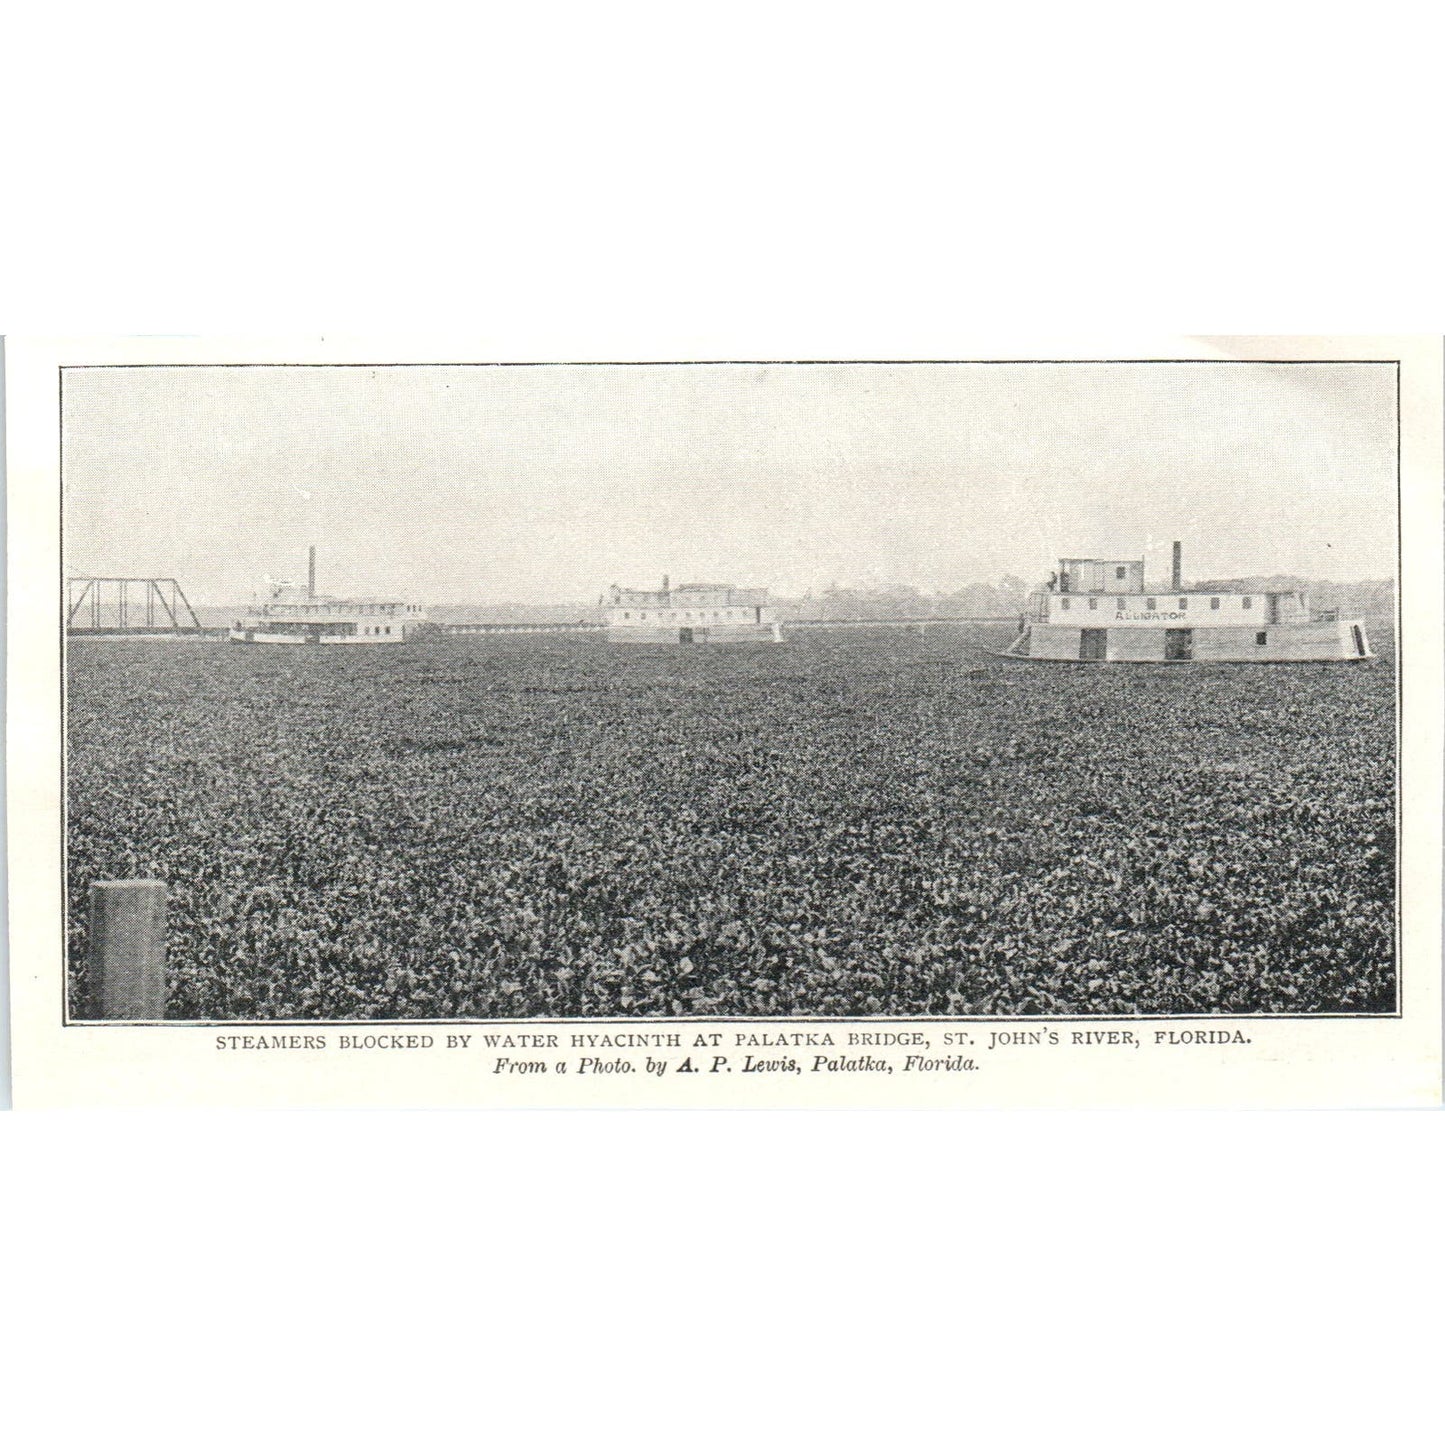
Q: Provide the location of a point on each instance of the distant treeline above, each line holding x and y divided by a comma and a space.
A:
978, 599
1006, 599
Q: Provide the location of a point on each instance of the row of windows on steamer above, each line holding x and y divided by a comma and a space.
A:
1151, 603
370, 609
275, 623
736, 614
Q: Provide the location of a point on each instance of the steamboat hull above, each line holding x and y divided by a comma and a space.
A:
1332, 641
258, 636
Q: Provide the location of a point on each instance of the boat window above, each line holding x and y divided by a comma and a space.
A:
1120, 573
1183, 604
1214, 604
1246, 603
1260, 638
1064, 603
1151, 603
1119, 603
1093, 604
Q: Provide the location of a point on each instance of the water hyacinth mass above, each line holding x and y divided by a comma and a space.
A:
877, 823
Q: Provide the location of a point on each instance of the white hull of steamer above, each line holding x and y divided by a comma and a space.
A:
1310, 642
293, 639
701, 636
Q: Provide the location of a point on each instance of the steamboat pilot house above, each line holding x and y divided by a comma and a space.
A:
693, 612
1098, 610
296, 614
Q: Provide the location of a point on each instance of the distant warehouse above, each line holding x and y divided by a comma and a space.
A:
1100, 610
691, 613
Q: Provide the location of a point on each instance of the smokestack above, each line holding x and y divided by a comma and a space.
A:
665, 587
1178, 581
311, 572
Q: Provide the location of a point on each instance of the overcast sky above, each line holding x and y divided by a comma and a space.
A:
546, 484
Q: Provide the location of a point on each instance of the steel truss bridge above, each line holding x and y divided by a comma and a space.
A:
128, 605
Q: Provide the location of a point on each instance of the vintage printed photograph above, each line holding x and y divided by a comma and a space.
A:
840, 690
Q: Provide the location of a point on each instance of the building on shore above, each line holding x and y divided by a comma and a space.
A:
1099, 610
695, 612
297, 614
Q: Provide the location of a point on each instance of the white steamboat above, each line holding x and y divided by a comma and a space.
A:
1099, 610
695, 612
298, 615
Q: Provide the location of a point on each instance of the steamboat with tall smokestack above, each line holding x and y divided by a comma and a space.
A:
1095, 609
295, 614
